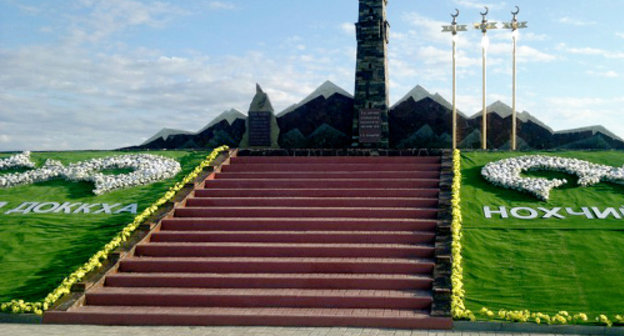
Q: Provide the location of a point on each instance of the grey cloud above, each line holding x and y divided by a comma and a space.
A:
63, 97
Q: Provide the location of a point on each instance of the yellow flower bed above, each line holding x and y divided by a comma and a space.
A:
19, 306
458, 309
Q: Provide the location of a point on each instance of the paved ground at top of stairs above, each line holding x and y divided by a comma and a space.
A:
81, 330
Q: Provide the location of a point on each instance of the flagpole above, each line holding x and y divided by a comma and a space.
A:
453, 28
454, 95
514, 25
484, 26
483, 100
513, 97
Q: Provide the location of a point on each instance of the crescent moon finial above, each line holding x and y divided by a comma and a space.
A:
456, 13
487, 10
516, 12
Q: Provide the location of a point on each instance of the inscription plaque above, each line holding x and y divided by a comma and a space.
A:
370, 125
259, 129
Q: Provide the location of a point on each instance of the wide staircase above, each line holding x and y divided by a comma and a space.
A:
285, 241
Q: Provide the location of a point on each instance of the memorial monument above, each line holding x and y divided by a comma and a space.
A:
330, 117
262, 129
370, 120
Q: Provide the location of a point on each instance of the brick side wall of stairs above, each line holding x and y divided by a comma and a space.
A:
284, 241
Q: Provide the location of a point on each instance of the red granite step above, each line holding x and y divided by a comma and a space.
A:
312, 167
297, 224
316, 192
283, 250
307, 212
369, 202
276, 265
323, 183
319, 317
328, 237
270, 280
259, 297
336, 159
331, 174
285, 241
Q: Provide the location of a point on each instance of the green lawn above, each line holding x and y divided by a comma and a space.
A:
38, 250
542, 265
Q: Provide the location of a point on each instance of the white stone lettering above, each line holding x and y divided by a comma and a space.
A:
606, 213
502, 211
66, 207
107, 208
532, 213
23, 208
86, 208
70, 208
131, 208
526, 213
46, 207
554, 212
584, 212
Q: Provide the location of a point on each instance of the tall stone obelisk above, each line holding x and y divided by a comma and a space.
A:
370, 121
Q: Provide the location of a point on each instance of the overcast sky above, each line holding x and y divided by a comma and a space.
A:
88, 74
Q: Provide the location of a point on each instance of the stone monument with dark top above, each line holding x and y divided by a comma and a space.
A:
370, 120
262, 129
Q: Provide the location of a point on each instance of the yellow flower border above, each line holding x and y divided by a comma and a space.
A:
19, 306
458, 308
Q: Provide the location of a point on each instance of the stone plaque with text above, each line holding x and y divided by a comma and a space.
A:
370, 125
260, 129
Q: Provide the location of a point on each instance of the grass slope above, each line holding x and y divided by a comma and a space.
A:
542, 265
39, 250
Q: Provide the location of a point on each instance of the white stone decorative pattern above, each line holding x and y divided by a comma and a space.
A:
506, 173
17, 160
147, 169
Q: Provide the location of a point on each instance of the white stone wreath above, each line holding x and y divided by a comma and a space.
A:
147, 169
506, 173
